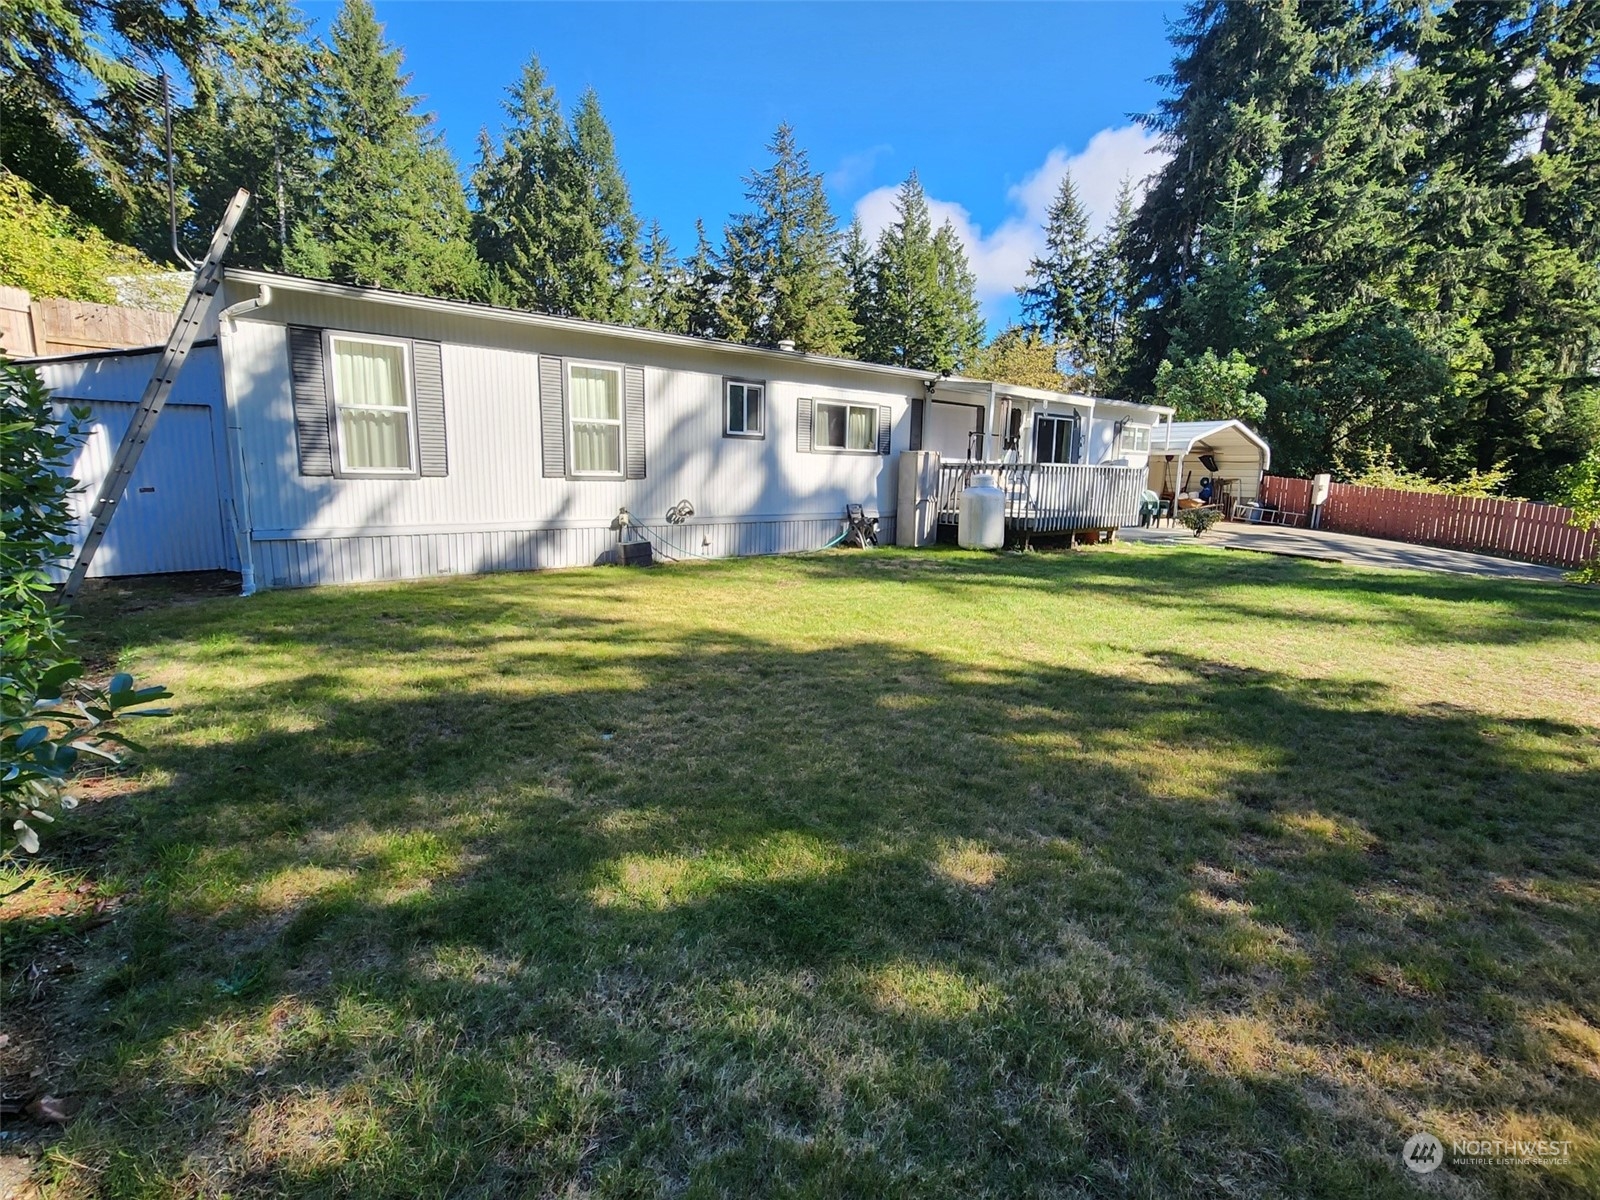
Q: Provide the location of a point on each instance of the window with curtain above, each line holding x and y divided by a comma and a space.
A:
744, 404
372, 395
1136, 437
845, 427
594, 414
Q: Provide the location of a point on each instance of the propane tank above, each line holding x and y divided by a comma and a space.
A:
982, 520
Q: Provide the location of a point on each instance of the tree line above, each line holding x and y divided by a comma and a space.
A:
1376, 235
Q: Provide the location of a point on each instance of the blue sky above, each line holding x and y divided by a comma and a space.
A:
986, 101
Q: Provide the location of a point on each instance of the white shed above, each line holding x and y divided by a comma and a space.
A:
1184, 455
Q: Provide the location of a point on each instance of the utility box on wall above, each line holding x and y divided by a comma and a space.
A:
917, 508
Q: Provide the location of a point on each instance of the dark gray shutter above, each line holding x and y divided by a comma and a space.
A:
802, 427
308, 383
553, 416
633, 421
427, 373
885, 417
916, 423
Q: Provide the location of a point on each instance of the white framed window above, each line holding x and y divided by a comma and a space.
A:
594, 418
848, 427
1135, 439
744, 408
373, 405
1052, 439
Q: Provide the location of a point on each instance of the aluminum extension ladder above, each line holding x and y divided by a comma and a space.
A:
207, 277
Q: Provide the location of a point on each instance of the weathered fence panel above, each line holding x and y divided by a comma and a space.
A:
30, 327
1538, 533
1050, 497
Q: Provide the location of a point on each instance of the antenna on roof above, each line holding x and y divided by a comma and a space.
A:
156, 89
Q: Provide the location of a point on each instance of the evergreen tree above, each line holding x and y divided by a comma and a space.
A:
664, 292
521, 192
1061, 297
1111, 290
1278, 228
856, 261
600, 258
554, 224
785, 279
704, 285
390, 210
924, 311
255, 127
957, 311
1511, 229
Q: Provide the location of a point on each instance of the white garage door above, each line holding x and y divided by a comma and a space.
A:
171, 517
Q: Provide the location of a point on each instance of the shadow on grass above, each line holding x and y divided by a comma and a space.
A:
632, 907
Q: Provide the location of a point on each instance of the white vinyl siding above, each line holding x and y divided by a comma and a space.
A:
372, 398
594, 407
846, 427
744, 408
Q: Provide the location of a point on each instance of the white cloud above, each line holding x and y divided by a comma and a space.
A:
1000, 257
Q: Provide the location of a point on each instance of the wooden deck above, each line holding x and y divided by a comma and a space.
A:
1046, 498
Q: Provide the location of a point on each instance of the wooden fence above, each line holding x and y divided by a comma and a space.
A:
30, 327
1537, 533
1050, 497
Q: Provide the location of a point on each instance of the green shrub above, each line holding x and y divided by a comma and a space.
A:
42, 734
1199, 519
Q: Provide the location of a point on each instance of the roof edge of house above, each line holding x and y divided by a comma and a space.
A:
471, 308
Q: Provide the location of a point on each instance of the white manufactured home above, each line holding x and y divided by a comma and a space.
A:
328, 433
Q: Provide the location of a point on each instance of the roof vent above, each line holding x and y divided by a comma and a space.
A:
786, 344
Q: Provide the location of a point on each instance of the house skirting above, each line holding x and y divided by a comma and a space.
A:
298, 561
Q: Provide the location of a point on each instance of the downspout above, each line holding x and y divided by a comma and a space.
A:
243, 525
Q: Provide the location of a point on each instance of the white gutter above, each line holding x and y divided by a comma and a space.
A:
243, 524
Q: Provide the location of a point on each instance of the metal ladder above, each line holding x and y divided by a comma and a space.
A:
207, 277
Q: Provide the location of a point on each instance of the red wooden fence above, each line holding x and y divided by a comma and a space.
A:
1538, 533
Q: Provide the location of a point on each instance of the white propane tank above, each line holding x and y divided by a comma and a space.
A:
982, 523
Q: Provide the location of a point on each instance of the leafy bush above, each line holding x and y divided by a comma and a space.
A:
1209, 388
41, 741
1199, 519
47, 250
41, 734
1580, 491
1381, 471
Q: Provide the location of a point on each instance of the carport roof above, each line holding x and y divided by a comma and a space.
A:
1181, 437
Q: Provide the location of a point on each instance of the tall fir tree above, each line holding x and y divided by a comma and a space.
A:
1111, 290
255, 127
1510, 197
856, 260
601, 243
1061, 296
554, 223
704, 287
521, 203
390, 210
924, 312
664, 293
785, 278
957, 309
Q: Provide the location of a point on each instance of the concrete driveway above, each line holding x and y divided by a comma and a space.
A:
1343, 547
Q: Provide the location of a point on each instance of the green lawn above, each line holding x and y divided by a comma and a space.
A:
1128, 872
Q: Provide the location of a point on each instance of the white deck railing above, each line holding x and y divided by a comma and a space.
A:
1050, 497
